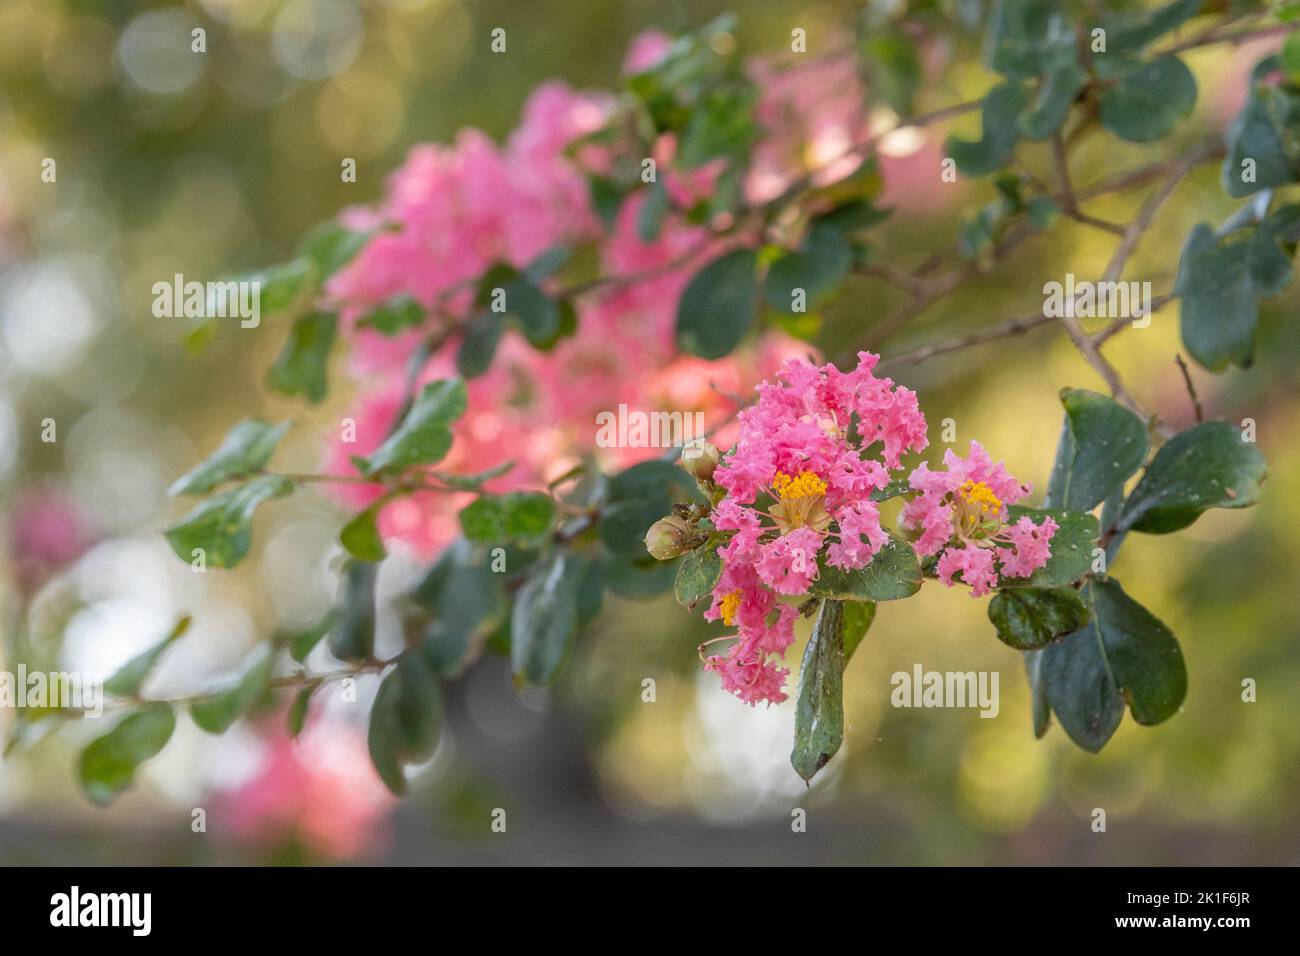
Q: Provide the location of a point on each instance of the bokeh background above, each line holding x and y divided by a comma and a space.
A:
169, 162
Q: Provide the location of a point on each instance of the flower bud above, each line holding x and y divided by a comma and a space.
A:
699, 458
667, 538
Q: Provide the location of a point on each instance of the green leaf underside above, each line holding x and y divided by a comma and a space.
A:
352, 637
216, 712
127, 680
302, 367
1123, 655
819, 710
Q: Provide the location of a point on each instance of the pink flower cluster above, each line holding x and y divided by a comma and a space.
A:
803, 447
961, 515
450, 212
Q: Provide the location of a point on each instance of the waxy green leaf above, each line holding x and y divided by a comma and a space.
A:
108, 764
1027, 618
221, 527
819, 710
1102, 444
424, 436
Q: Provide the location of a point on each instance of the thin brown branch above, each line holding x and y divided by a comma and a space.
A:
1191, 388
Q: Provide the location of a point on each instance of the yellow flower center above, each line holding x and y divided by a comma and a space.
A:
807, 485
980, 495
730, 605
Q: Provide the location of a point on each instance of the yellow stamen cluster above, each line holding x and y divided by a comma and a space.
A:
807, 485
981, 495
730, 605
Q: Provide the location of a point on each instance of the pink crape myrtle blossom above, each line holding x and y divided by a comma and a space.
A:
794, 449
961, 515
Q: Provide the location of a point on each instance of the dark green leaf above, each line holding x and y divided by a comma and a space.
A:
1262, 150
1123, 654
108, 764
424, 436
1102, 444
1129, 31
717, 307
221, 527
406, 719
352, 638
637, 498
1207, 466
302, 366
467, 600
478, 346
1027, 618
1148, 100
302, 643
818, 269
650, 217
544, 622
127, 679
819, 711
1002, 107
1025, 36
1053, 100
296, 719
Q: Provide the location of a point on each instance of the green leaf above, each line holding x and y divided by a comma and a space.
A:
1124, 654
722, 124
1148, 100
697, 575
1220, 283
1041, 710
217, 711
352, 637
1102, 444
281, 285
127, 679
894, 69
545, 621
296, 719
518, 516
1262, 149
858, 616
478, 346
361, 537
475, 481
406, 719
818, 269
650, 217
1207, 466
468, 602
1025, 36
819, 710
302, 643
246, 449
424, 436
221, 527
1002, 107
717, 307
108, 764
637, 498
537, 315
331, 246
1053, 100
1027, 618
638, 580
1072, 547
893, 573
394, 316
1129, 31
302, 366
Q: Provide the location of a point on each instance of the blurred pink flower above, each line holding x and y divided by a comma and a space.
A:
47, 532
319, 790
